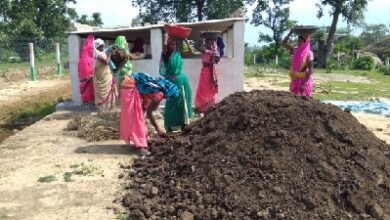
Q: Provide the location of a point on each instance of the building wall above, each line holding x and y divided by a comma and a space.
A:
231, 68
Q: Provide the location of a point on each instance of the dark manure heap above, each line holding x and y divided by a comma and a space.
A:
264, 155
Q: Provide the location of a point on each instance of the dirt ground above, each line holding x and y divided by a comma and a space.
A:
44, 149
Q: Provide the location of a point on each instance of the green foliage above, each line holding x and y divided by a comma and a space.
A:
68, 177
266, 56
374, 32
363, 63
277, 19
34, 113
96, 19
385, 70
47, 179
186, 10
351, 11
334, 64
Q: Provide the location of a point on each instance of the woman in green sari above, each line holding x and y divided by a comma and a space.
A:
177, 110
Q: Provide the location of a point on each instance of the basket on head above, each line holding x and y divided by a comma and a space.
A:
210, 35
119, 56
305, 30
178, 31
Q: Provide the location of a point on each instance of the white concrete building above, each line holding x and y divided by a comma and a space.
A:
231, 66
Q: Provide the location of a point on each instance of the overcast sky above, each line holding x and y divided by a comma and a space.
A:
120, 13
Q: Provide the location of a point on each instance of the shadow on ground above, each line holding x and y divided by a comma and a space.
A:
106, 149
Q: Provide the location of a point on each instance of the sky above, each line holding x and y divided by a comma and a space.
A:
120, 13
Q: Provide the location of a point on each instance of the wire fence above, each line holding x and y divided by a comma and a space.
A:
15, 57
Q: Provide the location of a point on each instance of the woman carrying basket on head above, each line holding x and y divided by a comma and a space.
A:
177, 110
207, 90
301, 69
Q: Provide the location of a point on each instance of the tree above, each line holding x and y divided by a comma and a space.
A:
95, 21
374, 32
350, 10
185, 10
276, 19
47, 18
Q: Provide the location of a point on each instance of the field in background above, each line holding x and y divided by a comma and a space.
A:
337, 85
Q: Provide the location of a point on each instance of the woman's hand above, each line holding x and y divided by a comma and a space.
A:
303, 87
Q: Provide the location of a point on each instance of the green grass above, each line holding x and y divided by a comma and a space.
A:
47, 179
340, 90
34, 113
123, 216
68, 177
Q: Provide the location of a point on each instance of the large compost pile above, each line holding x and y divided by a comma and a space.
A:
264, 155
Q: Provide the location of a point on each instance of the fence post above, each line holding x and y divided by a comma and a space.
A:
387, 61
33, 72
254, 59
58, 59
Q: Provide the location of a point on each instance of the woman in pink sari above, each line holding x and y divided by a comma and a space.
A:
132, 127
301, 69
86, 72
207, 90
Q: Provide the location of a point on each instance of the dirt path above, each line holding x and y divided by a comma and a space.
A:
45, 150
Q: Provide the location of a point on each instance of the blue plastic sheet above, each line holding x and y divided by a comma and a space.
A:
374, 107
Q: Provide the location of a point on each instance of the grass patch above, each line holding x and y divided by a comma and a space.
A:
74, 166
35, 113
340, 90
123, 216
82, 170
47, 179
68, 177
3, 216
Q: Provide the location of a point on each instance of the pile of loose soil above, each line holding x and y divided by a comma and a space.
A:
264, 155
96, 127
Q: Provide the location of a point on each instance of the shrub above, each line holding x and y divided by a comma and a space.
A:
363, 63
385, 70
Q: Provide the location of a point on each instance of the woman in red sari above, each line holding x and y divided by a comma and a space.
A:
206, 93
85, 69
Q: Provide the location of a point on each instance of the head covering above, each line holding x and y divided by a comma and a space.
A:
98, 42
121, 42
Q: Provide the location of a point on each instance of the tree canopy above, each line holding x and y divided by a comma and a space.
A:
350, 10
276, 18
185, 10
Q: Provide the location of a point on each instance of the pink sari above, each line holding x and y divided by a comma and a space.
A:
206, 93
86, 71
132, 122
299, 70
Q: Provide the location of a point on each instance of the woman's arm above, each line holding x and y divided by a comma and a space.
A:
149, 113
136, 56
285, 42
191, 50
103, 57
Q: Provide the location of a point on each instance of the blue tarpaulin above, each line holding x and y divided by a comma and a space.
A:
374, 107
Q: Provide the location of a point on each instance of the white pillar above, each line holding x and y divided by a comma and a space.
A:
239, 52
387, 61
74, 45
58, 59
33, 72
276, 59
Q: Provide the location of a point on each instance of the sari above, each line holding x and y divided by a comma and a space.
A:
132, 122
300, 68
127, 68
206, 93
178, 109
85, 70
104, 85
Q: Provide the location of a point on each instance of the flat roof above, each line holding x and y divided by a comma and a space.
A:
144, 31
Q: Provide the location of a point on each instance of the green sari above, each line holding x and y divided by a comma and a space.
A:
178, 110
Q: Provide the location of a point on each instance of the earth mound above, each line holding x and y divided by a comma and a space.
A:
264, 155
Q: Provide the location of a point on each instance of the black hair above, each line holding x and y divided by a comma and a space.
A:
302, 38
